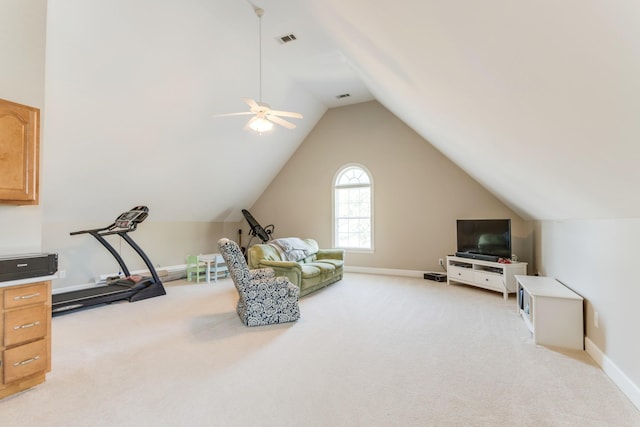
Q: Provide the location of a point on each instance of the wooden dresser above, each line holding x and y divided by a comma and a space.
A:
25, 322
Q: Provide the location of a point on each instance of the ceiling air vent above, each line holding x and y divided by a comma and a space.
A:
287, 38
344, 95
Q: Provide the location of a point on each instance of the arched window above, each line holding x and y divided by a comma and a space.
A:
353, 208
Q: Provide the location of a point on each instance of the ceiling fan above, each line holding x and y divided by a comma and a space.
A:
263, 116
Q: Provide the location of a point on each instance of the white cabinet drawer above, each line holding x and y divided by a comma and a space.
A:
490, 280
489, 275
460, 273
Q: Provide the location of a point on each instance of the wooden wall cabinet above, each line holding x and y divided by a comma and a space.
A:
19, 153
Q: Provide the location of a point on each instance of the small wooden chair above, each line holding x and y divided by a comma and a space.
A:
195, 267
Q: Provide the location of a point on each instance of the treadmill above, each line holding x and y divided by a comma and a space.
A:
131, 288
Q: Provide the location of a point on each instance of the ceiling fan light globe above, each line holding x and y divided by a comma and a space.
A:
261, 125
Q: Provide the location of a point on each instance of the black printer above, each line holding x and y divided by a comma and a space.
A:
15, 267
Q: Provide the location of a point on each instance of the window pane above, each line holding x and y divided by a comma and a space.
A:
351, 176
352, 216
353, 202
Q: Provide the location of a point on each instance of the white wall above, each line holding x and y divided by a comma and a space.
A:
418, 193
598, 260
84, 259
22, 55
548, 91
131, 92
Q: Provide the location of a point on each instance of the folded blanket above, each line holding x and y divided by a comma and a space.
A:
292, 248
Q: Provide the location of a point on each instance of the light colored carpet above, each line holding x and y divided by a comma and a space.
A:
367, 351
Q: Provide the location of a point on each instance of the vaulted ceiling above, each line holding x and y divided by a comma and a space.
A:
538, 101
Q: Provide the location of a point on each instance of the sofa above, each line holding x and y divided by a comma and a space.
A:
300, 260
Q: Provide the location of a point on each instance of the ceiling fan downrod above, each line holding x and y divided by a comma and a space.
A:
259, 12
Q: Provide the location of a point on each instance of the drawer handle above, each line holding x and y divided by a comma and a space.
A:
37, 294
28, 325
27, 361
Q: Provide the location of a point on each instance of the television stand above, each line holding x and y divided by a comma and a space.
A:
473, 255
490, 275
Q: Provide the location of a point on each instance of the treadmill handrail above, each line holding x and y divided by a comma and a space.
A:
106, 231
142, 255
122, 232
112, 251
93, 230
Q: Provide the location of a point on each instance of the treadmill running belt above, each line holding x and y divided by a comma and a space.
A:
84, 294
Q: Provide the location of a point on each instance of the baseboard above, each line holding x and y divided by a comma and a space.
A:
171, 270
384, 271
55, 291
620, 379
348, 269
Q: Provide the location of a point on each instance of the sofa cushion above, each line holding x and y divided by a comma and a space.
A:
310, 258
309, 271
292, 248
313, 245
325, 267
260, 252
337, 263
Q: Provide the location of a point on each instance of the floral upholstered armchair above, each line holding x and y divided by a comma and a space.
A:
264, 298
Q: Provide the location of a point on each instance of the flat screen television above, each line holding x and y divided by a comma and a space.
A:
488, 239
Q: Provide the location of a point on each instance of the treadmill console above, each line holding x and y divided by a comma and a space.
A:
132, 218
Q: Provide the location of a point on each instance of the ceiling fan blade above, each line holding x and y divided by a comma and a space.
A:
281, 122
233, 114
285, 114
251, 103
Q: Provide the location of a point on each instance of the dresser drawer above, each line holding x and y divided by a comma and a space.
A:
495, 281
26, 324
28, 359
20, 296
460, 273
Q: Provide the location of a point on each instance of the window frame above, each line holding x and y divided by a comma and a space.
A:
334, 226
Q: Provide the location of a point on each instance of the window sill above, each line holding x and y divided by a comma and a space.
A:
358, 251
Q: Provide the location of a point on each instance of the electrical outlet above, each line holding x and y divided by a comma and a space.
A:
441, 262
596, 319
62, 274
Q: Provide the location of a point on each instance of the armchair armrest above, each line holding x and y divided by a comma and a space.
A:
262, 273
271, 285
